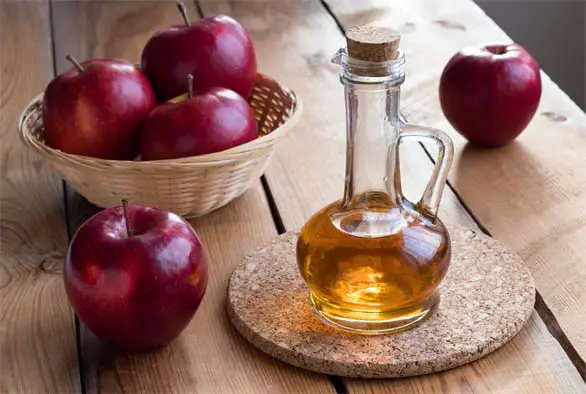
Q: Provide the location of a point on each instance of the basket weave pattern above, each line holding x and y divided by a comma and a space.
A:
191, 186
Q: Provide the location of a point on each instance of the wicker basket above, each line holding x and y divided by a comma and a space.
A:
191, 186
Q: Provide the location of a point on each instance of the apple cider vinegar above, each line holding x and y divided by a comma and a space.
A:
373, 260
371, 264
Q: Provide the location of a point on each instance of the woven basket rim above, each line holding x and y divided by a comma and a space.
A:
264, 142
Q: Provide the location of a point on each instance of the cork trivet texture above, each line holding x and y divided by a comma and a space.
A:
486, 298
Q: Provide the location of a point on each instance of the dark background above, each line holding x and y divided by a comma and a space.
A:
554, 31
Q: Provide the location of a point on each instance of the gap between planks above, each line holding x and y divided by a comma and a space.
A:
64, 187
337, 382
279, 217
540, 307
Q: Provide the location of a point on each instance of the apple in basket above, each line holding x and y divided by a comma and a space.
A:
96, 109
206, 121
216, 50
135, 275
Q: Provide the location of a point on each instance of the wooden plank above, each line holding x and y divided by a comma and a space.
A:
528, 194
308, 173
210, 356
37, 334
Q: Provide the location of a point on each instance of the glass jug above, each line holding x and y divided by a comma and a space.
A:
373, 260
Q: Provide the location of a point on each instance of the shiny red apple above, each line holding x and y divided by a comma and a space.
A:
139, 286
210, 120
490, 93
96, 109
217, 50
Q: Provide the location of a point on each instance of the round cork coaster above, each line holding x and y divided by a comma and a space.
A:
486, 298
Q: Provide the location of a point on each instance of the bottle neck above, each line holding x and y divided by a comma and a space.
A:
372, 92
372, 126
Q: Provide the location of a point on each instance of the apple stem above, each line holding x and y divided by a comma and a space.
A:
183, 12
75, 62
190, 85
125, 212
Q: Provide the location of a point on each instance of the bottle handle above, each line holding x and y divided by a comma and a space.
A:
429, 203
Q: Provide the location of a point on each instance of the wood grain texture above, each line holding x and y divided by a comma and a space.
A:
307, 173
528, 194
209, 356
37, 335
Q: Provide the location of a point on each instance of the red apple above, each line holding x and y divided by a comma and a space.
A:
136, 287
216, 50
96, 109
490, 93
210, 120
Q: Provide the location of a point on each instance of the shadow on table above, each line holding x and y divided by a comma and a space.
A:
510, 173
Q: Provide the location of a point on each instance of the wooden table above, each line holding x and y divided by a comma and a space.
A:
529, 195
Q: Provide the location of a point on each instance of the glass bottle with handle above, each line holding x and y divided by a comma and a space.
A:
373, 260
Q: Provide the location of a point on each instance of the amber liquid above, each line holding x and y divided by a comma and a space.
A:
375, 267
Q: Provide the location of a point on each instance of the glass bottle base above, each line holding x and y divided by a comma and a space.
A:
373, 323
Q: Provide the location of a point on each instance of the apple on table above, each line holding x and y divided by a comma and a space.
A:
490, 93
135, 275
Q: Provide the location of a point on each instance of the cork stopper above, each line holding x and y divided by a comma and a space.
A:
373, 43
